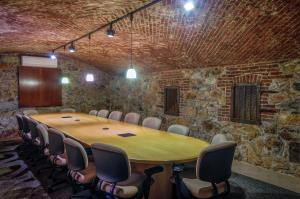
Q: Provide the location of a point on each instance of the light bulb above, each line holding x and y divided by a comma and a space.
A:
188, 6
65, 80
89, 77
131, 73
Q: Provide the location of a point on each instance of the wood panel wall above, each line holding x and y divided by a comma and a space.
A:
39, 87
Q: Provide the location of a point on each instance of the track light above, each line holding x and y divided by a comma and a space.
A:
189, 5
71, 48
52, 55
110, 31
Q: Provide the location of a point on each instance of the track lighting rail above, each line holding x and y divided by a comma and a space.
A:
108, 24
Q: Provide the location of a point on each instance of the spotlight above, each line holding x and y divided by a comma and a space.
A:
52, 55
71, 48
110, 31
188, 6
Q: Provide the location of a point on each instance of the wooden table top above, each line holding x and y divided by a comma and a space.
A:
147, 146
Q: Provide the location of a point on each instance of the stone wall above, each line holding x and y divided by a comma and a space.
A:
79, 94
273, 145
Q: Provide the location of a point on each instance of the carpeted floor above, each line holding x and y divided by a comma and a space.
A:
20, 180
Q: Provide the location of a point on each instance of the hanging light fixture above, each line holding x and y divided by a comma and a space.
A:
110, 31
52, 55
189, 5
131, 73
65, 80
71, 48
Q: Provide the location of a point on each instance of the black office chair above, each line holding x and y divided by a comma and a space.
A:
115, 179
212, 171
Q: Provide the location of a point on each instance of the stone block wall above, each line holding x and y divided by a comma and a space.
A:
205, 106
79, 94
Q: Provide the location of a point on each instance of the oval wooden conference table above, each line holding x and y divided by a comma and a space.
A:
147, 147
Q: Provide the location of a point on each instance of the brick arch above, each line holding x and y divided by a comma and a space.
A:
261, 74
248, 79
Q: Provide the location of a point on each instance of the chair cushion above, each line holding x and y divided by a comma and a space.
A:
201, 189
59, 160
127, 188
84, 176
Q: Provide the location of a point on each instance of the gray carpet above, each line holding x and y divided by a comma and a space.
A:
20, 180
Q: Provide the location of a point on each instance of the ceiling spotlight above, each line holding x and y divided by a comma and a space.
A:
71, 48
110, 31
52, 55
188, 6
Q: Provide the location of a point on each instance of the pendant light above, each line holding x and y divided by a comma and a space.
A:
131, 73
89, 77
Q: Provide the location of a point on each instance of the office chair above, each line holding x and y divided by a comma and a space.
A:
29, 112
67, 110
212, 171
103, 113
115, 179
218, 138
57, 157
115, 115
132, 118
152, 122
93, 112
81, 172
179, 129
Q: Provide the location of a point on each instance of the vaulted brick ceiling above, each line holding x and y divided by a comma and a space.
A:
217, 32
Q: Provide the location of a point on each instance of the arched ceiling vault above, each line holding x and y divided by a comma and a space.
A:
217, 32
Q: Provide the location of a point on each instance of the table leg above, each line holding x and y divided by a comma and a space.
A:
162, 188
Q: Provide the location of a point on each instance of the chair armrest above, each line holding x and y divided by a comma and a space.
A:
153, 170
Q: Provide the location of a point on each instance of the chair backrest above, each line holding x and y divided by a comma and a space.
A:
32, 126
112, 164
218, 138
30, 112
76, 155
214, 162
179, 129
56, 142
20, 122
67, 110
42, 131
152, 122
25, 124
93, 112
115, 115
132, 118
103, 113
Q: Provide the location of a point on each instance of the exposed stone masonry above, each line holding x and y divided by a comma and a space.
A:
203, 95
205, 102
